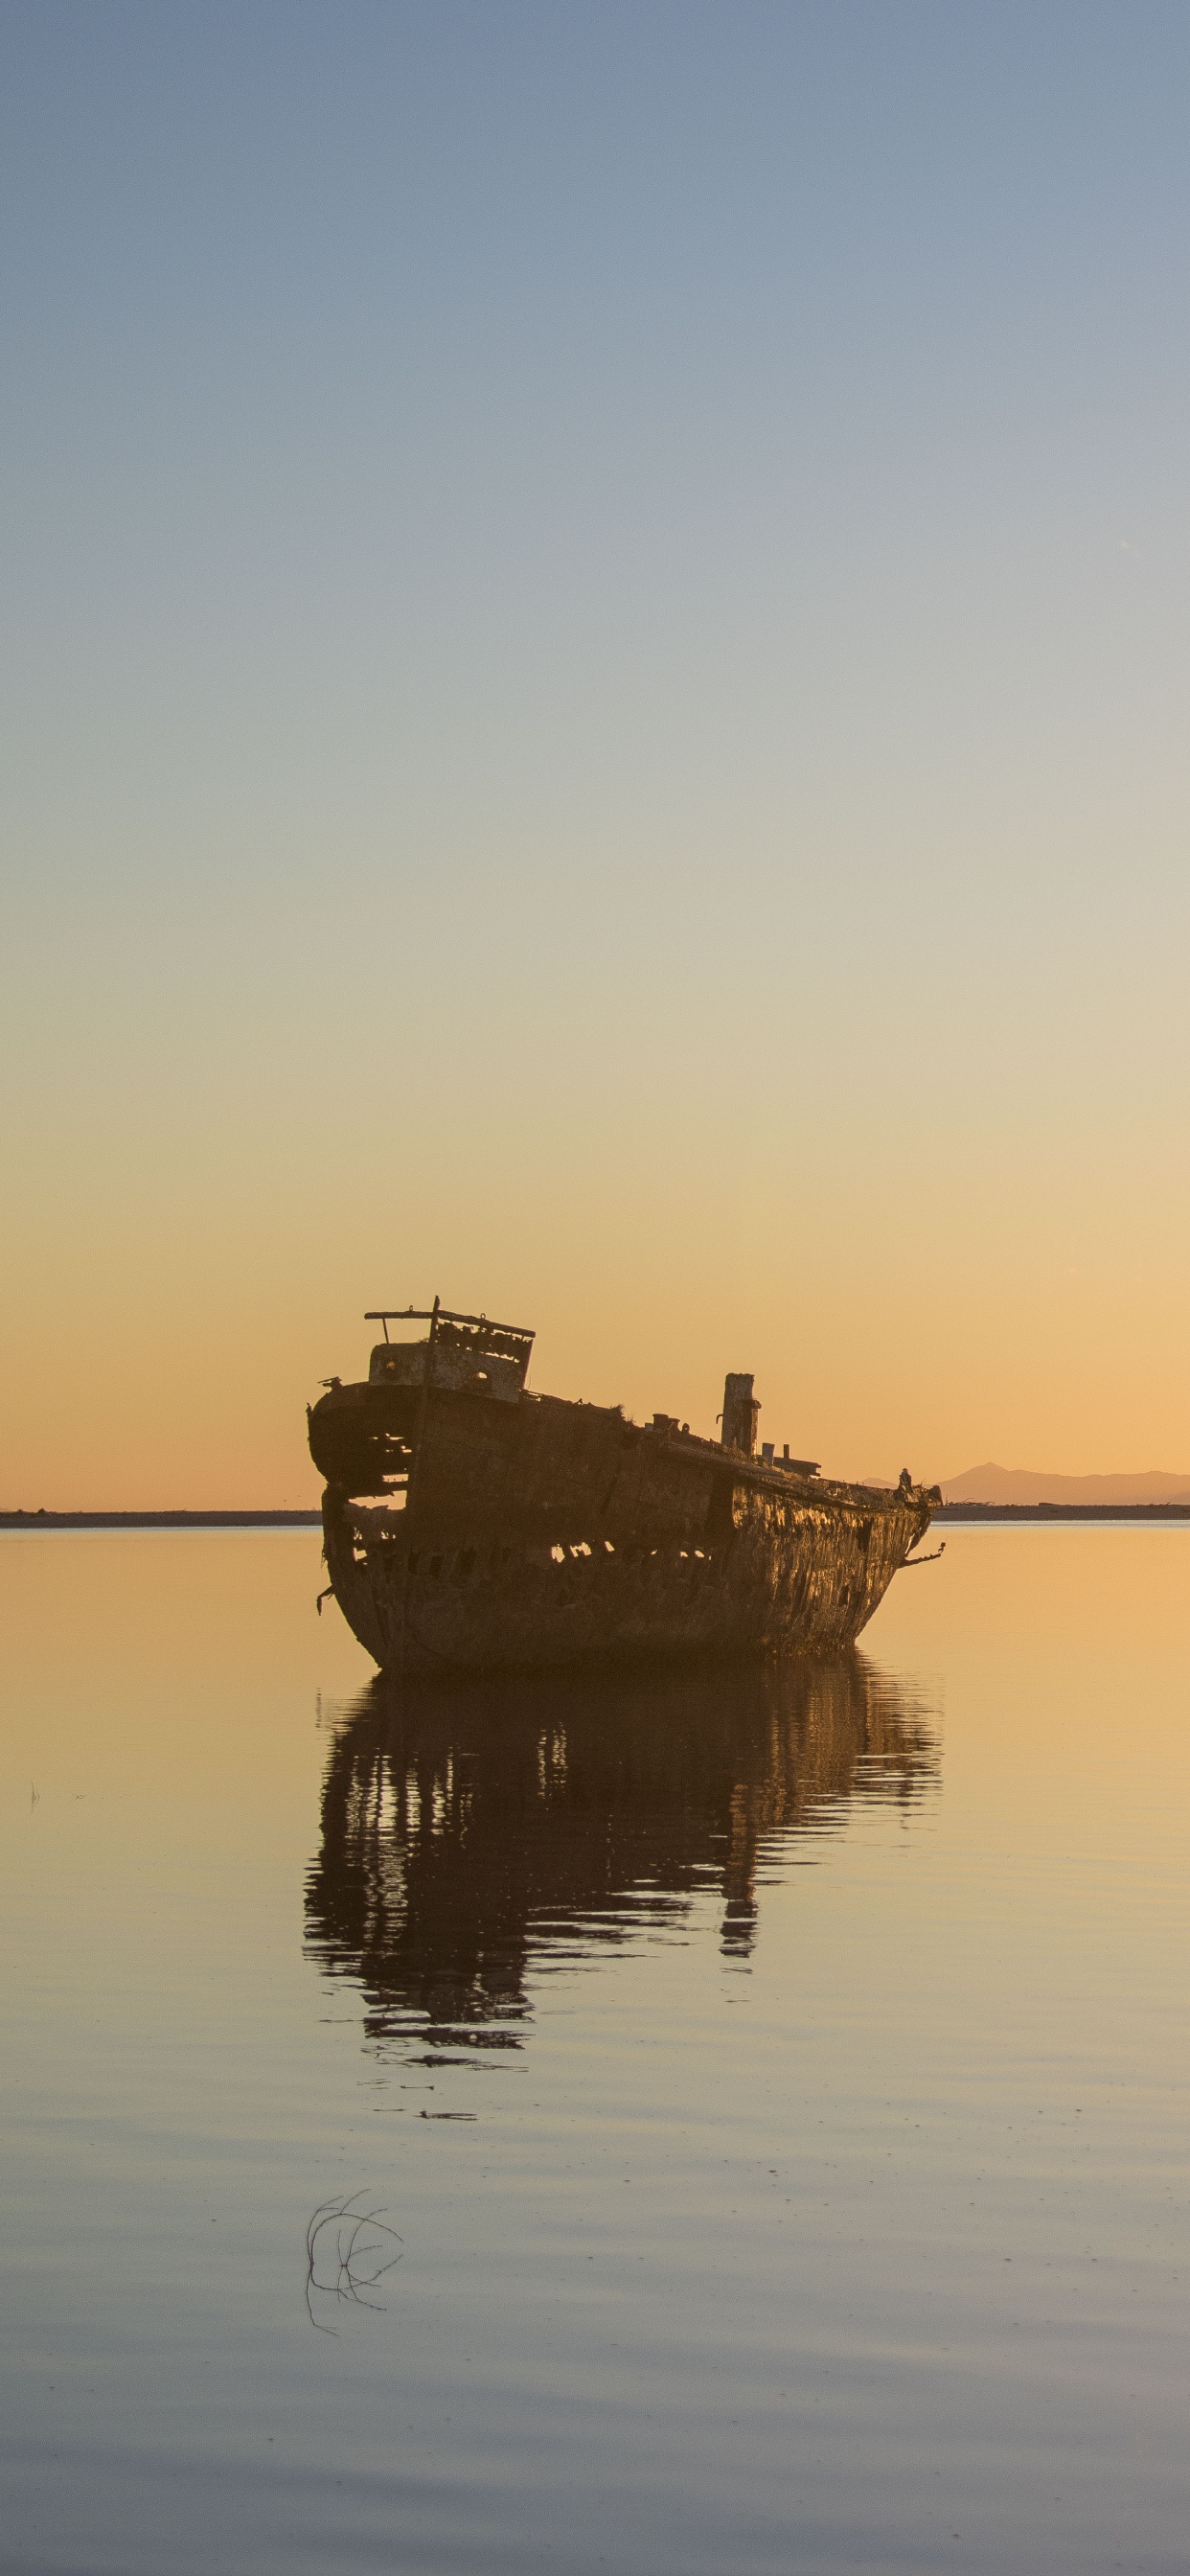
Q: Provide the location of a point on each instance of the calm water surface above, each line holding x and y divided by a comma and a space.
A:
678, 2125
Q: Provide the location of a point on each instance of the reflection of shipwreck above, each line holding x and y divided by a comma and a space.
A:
475, 1526
474, 1834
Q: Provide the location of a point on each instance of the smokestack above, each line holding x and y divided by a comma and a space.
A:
741, 1414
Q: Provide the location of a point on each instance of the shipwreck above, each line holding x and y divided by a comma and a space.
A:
474, 1525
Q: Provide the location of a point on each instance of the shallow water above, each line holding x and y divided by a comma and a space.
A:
761, 2102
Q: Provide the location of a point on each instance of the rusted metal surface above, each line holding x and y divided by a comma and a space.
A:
464, 1352
741, 1414
542, 1532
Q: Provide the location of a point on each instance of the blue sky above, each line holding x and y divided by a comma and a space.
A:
594, 613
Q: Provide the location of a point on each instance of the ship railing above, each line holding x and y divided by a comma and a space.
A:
480, 1332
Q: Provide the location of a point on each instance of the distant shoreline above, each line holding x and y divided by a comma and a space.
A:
1063, 1512
159, 1520
1145, 1513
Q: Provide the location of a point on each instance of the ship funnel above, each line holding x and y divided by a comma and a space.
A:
741, 1413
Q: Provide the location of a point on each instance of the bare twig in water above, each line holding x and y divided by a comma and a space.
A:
347, 2254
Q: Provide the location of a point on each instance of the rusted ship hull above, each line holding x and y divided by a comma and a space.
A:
811, 1582
540, 1533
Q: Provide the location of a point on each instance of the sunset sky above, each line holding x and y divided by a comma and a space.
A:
596, 612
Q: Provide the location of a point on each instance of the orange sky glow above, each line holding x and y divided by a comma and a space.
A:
596, 725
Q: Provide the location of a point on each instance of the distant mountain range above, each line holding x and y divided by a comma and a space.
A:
992, 1484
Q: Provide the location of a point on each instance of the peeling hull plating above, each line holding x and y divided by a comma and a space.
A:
540, 1533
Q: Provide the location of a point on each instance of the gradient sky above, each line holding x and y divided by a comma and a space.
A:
596, 638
